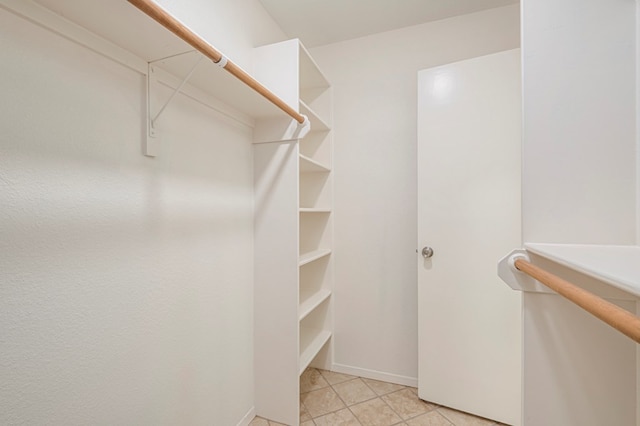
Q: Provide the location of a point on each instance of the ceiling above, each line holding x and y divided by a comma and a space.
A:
318, 22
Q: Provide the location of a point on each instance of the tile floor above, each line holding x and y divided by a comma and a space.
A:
333, 399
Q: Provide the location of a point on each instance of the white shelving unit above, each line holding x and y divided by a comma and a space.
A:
317, 123
311, 342
312, 256
309, 300
307, 165
293, 233
618, 266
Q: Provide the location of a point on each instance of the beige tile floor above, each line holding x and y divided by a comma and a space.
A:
333, 399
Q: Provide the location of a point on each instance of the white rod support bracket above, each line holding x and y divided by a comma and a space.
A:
151, 140
178, 89
515, 256
150, 144
516, 279
303, 128
222, 62
187, 52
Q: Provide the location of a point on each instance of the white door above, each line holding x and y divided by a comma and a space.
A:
469, 127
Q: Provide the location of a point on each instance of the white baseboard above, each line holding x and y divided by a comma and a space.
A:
248, 417
375, 375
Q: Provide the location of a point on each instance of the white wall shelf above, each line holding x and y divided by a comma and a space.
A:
311, 342
213, 80
618, 266
120, 31
310, 75
313, 256
311, 301
314, 210
307, 165
317, 123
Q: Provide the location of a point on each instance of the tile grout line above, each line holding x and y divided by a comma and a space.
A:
376, 396
349, 408
339, 397
435, 407
385, 402
345, 404
404, 387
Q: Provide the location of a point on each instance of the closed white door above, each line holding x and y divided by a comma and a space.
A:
469, 127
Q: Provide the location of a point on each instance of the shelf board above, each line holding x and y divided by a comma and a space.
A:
123, 27
307, 165
314, 210
218, 83
310, 75
618, 266
312, 301
311, 342
314, 255
317, 123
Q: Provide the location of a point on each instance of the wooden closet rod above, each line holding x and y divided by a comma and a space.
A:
615, 316
169, 22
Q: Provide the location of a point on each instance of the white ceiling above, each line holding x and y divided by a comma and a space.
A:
318, 22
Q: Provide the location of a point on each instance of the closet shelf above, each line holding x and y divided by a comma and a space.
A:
618, 266
216, 82
317, 123
299, 288
311, 342
314, 210
312, 256
312, 301
118, 29
310, 75
307, 165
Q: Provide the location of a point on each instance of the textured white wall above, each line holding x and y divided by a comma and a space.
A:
125, 282
579, 174
375, 101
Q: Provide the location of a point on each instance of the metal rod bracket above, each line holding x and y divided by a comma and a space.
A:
151, 140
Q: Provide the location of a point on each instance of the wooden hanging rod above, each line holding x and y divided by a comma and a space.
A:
615, 316
169, 22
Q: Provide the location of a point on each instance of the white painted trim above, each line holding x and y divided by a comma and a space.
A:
49, 20
637, 370
248, 417
638, 140
375, 375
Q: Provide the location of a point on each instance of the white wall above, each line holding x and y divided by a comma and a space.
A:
125, 281
579, 124
637, 132
579, 186
375, 100
232, 26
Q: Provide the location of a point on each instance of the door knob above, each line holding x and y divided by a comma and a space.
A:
427, 252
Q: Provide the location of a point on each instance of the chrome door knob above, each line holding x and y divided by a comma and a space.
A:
427, 252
